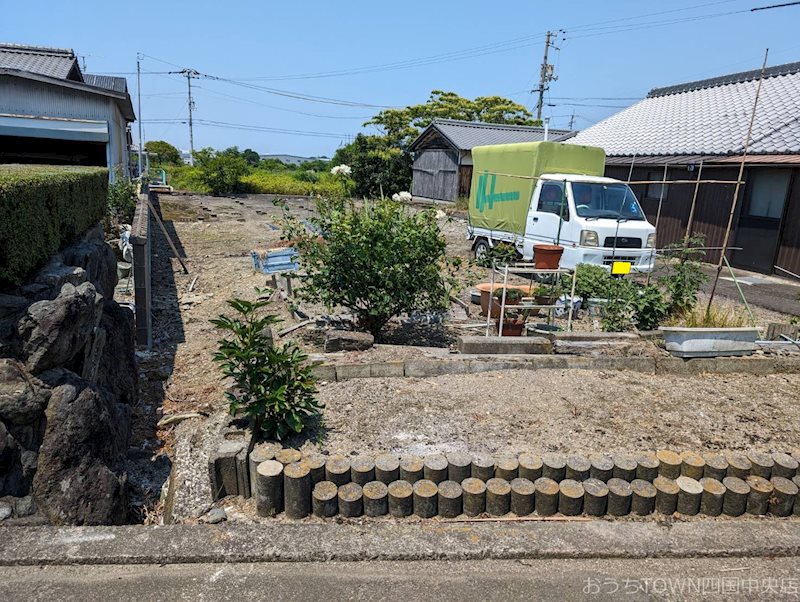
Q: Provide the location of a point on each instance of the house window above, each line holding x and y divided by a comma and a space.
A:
768, 193
654, 190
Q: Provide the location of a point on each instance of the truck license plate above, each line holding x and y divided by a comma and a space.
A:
621, 267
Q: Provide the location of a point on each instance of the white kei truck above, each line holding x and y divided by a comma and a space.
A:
554, 193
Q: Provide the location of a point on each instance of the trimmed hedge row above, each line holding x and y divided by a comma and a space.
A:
43, 208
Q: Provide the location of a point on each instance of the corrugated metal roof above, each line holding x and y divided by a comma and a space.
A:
464, 135
109, 82
709, 117
53, 62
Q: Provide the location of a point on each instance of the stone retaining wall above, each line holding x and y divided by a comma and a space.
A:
663, 482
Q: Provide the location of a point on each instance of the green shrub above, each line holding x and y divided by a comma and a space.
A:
121, 199
378, 260
592, 281
185, 177
221, 171
684, 275
43, 208
630, 305
502, 253
378, 166
274, 385
283, 183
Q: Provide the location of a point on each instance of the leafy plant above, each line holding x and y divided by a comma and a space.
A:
513, 295
592, 281
684, 275
162, 152
631, 305
378, 260
377, 165
221, 171
650, 308
502, 254
274, 386
121, 199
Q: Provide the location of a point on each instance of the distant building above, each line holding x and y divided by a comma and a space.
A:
293, 159
51, 112
443, 153
704, 123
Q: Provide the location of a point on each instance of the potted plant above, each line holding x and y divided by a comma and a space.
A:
714, 332
513, 324
486, 289
513, 296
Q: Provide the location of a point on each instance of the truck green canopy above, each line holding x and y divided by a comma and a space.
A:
504, 177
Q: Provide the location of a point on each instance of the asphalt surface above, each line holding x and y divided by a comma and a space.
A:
776, 294
567, 579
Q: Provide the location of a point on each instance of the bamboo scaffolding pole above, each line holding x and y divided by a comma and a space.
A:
658, 217
734, 203
630, 171
690, 223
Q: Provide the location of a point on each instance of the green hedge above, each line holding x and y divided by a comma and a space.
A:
43, 208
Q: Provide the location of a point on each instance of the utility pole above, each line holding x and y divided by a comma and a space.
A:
572, 122
546, 74
190, 73
139, 107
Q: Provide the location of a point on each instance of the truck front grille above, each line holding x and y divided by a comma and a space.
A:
622, 242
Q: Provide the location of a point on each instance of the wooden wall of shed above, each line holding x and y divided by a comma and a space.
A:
712, 208
435, 174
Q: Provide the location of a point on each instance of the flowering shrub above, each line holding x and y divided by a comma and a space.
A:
402, 197
341, 170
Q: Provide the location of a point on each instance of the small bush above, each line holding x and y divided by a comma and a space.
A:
121, 199
43, 208
502, 253
592, 281
283, 183
629, 305
186, 177
274, 385
378, 260
221, 171
684, 276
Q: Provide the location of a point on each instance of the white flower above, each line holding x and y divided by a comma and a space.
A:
342, 169
402, 197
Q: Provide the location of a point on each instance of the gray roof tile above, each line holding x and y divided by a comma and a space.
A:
467, 134
709, 117
109, 82
53, 62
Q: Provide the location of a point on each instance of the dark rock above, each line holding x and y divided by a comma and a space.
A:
35, 291
117, 374
55, 275
347, 340
11, 305
53, 332
22, 397
24, 506
99, 262
82, 452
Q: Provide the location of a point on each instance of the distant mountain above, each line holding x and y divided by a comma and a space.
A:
293, 159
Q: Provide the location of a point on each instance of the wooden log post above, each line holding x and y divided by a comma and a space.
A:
669, 464
376, 498
362, 470
530, 466
316, 467
546, 497
296, 490
783, 496
507, 468
498, 497
713, 496
716, 467
425, 497
411, 468
459, 466
577, 468
522, 496
737, 492
691, 491
450, 499
624, 467
646, 466
261, 453
570, 497
602, 467
337, 470
738, 466
784, 465
666, 495
269, 488
474, 496
351, 500
323, 499
796, 481
401, 501
762, 464
387, 468
288, 456
435, 468
595, 498
619, 496
482, 467
692, 465
643, 497
760, 492
554, 467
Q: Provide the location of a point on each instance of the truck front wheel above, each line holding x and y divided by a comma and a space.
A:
481, 248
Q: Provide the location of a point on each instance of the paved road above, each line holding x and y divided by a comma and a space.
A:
649, 579
776, 294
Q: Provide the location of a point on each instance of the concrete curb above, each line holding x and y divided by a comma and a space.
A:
474, 364
433, 540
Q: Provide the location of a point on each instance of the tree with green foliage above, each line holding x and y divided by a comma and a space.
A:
164, 152
251, 156
274, 386
377, 166
401, 126
378, 260
221, 171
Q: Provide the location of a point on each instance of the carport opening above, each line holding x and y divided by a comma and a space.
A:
17, 149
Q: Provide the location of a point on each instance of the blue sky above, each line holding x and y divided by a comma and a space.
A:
611, 53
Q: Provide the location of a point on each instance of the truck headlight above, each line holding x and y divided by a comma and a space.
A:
589, 238
651, 241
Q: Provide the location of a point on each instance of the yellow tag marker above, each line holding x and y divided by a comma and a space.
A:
621, 267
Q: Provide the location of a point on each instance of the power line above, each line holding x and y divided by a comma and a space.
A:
247, 127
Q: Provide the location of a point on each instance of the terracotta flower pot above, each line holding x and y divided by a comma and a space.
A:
547, 257
511, 328
485, 290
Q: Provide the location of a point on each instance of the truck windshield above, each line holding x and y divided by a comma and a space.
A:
609, 201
